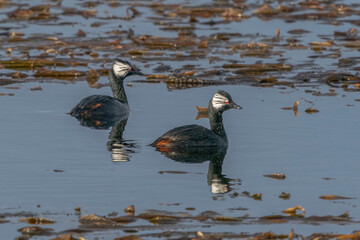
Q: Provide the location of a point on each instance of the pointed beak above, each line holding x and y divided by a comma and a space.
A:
136, 72
234, 105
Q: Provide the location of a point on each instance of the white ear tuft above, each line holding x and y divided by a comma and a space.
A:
120, 68
218, 101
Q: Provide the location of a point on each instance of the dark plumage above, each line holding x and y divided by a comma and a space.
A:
100, 107
195, 136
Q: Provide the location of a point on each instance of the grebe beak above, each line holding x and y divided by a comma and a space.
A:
234, 105
136, 72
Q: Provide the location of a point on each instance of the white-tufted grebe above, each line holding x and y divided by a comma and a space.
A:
107, 107
195, 136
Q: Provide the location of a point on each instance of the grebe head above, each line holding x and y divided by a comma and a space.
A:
222, 101
122, 69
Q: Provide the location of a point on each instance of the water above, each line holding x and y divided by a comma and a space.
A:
40, 137
50, 164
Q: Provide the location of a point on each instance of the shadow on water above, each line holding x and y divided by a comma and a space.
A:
216, 180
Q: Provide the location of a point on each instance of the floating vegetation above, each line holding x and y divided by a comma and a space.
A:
285, 196
292, 210
31, 64
164, 220
160, 220
69, 74
130, 210
202, 112
311, 110
278, 176
334, 197
35, 231
37, 88
154, 42
226, 219
36, 220
256, 69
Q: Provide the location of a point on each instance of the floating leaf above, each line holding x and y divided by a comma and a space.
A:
272, 217
92, 218
164, 220
285, 196
266, 10
130, 210
328, 178
291, 234
203, 44
31, 64
34, 230
311, 110
92, 76
323, 44
258, 68
279, 176
270, 235
334, 197
156, 76
173, 172
257, 196
189, 73
78, 210
36, 220
294, 107
164, 43
19, 75
122, 220
349, 236
202, 110
68, 236
226, 219
292, 210
200, 234
37, 88
69, 74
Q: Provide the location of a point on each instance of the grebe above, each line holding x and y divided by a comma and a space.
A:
106, 107
195, 136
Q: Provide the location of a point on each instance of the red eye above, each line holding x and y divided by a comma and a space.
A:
227, 103
129, 69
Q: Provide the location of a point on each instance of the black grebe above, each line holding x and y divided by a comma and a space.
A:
195, 136
106, 107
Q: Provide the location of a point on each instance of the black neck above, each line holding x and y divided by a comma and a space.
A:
117, 87
216, 121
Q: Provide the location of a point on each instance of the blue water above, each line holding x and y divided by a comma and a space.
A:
40, 137
37, 136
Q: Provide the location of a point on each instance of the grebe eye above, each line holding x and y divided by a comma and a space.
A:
129, 69
227, 103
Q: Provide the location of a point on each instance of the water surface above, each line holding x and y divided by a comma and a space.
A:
50, 164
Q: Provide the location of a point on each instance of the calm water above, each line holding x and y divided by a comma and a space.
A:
38, 137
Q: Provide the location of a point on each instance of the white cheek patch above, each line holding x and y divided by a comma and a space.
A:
120, 69
218, 101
